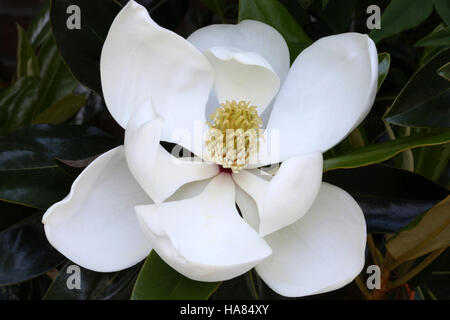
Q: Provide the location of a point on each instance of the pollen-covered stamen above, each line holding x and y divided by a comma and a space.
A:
233, 135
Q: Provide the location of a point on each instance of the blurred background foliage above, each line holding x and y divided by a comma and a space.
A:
53, 122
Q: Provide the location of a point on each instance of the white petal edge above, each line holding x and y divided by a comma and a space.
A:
247, 204
250, 36
322, 251
248, 208
141, 61
204, 238
288, 195
243, 76
158, 172
95, 225
328, 92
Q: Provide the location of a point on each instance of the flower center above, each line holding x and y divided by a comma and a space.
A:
233, 134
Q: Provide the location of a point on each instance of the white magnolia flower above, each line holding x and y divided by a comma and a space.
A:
302, 236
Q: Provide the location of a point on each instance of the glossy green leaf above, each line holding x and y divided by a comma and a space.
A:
439, 38
11, 214
217, 6
392, 199
428, 233
276, 15
443, 8
444, 71
29, 96
27, 63
376, 153
32, 289
424, 100
56, 79
431, 51
431, 161
29, 173
305, 3
25, 252
401, 15
17, 104
384, 63
37, 146
62, 110
432, 282
81, 48
93, 285
158, 281
39, 29
239, 288
338, 15
36, 188
168, 14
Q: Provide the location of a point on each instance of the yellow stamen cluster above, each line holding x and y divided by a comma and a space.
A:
233, 134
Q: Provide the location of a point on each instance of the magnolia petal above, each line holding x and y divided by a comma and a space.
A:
255, 187
322, 251
291, 192
249, 36
95, 225
204, 238
142, 61
288, 195
243, 76
248, 208
329, 90
158, 172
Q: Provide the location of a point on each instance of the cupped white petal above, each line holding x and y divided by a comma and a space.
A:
95, 226
247, 207
322, 251
141, 61
243, 76
247, 35
204, 238
288, 195
158, 172
329, 90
